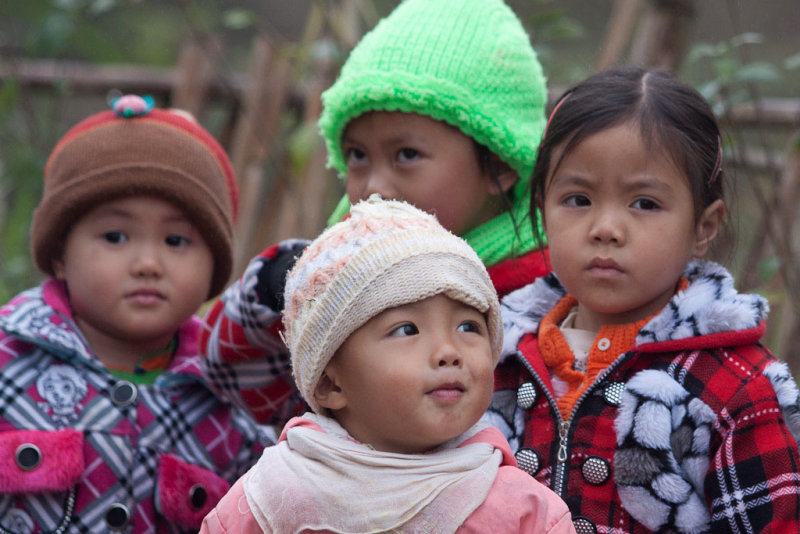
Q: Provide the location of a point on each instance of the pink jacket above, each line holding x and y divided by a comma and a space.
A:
516, 503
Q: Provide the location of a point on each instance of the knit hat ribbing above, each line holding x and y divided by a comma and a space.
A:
469, 63
387, 254
155, 153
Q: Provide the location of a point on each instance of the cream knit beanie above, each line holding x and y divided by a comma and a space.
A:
386, 254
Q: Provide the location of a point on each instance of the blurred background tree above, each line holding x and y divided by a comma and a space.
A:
252, 71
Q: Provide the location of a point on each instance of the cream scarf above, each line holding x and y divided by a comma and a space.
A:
326, 481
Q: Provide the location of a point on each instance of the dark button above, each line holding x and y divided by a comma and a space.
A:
28, 456
198, 496
528, 460
117, 516
526, 395
595, 470
583, 526
613, 393
123, 393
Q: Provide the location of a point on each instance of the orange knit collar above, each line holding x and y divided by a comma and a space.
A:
610, 343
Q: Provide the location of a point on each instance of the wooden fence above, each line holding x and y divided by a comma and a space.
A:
288, 196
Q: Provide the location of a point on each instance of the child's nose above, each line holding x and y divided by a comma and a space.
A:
607, 228
446, 355
380, 181
146, 261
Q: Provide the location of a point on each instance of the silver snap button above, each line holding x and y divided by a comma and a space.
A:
28, 456
123, 393
613, 393
583, 526
595, 470
526, 395
603, 344
117, 516
528, 460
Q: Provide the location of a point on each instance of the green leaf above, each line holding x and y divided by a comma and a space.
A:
301, 145
746, 39
759, 71
238, 19
767, 268
709, 89
792, 62
725, 69
554, 24
9, 97
98, 7
54, 32
702, 51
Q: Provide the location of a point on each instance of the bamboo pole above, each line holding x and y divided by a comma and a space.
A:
618, 32
254, 137
197, 65
662, 37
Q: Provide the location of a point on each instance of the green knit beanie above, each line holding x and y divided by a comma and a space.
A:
469, 63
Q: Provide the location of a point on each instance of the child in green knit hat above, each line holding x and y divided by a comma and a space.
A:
441, 105
448, 117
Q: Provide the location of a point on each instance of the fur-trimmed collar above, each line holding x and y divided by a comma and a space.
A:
710, 305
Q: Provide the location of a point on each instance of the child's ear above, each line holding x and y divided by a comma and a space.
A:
506, 176
58, 269
708, 226
328, 393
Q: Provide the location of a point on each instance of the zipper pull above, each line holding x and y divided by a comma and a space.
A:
563, 431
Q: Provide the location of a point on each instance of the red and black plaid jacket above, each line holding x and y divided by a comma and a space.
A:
688, 431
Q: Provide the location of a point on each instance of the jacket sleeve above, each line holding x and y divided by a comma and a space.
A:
244, 357
753, 482
722, 461
519, 503
232, 515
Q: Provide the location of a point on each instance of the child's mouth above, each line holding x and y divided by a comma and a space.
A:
452, 391
145, 297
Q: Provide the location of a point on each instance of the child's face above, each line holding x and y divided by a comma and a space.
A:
620, 225
428, 163
135, 269
414, 376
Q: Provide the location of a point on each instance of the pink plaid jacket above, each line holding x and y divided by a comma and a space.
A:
82, 451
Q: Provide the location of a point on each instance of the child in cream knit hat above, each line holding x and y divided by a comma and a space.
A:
394, 330
441, 105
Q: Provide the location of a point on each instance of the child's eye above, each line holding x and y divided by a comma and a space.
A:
577, 201
407, 154
645, 204
115, 237
469, 326
406, 329
176, 241
354, 155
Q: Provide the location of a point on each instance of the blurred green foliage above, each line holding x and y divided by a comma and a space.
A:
150, 32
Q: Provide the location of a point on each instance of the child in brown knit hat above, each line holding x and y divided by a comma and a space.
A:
112, 424
394, 331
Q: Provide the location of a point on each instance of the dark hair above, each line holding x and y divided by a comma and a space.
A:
668, 111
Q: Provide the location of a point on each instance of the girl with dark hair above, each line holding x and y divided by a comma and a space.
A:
632, 381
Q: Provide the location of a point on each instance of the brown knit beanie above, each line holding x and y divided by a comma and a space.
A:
137, 150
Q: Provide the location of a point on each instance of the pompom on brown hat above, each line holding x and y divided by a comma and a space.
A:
138, 150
